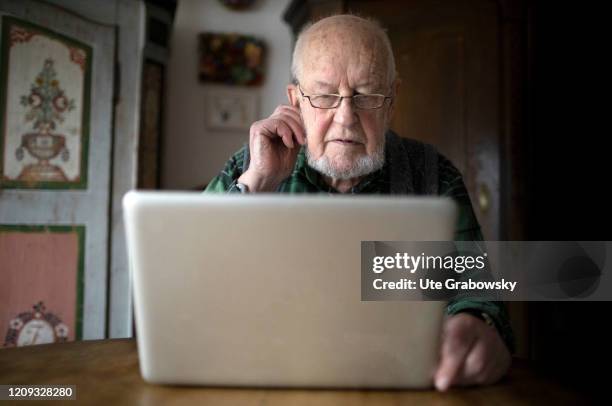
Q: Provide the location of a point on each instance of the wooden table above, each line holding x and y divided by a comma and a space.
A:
106, 372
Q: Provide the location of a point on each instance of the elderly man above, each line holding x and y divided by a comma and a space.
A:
334, 137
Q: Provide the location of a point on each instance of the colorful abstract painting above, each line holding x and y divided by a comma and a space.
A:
44, 108
41, 284
231, 59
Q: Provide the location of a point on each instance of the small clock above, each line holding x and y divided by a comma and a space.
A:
35, 327
35, 331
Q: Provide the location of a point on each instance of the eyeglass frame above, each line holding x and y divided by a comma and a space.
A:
341, 98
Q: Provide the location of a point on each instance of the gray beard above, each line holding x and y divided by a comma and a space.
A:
364, 165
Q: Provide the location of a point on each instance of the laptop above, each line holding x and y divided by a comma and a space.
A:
264, 290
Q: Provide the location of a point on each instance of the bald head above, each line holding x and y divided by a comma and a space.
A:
348, 41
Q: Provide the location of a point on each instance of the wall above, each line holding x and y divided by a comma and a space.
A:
193, 155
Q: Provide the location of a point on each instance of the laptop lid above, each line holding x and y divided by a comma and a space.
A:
265, 290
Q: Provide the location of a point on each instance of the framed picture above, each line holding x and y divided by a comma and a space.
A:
231, 59
229, 109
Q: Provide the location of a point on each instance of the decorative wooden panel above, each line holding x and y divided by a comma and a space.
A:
41, 283
45, 83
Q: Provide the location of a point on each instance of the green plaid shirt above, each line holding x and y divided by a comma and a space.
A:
305, 179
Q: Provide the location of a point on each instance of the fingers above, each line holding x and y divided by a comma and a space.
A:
472, 353
297, 129
475, 369
290, 116
486, 363
285, 123
273, 143
457, 342
285, 133
274, 128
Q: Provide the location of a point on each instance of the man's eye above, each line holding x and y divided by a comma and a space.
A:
369, 101
326, 97
325, 100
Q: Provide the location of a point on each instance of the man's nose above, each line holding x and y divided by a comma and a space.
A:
345, 113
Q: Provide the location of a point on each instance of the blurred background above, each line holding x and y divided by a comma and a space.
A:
141, 100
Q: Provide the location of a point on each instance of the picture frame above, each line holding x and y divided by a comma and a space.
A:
231, 109
231, 59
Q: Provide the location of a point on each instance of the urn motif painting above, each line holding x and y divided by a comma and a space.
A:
45, 78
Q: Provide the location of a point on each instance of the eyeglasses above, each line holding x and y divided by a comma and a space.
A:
360, 101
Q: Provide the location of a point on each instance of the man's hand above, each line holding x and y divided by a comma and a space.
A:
274, 145
472, 353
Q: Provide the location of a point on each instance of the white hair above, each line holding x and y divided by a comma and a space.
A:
364, 165
375, 26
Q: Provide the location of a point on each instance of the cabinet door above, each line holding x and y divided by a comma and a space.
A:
447, 56
56, 81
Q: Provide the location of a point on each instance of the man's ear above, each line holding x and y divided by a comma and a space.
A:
292, 95
394, 93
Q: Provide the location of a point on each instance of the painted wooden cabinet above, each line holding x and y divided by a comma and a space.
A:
69, 106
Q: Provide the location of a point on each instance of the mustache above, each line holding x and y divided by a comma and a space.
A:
328, 138
351, 138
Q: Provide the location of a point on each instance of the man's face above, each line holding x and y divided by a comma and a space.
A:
345, 138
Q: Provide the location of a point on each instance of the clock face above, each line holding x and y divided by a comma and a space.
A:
36, 331
36, 327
